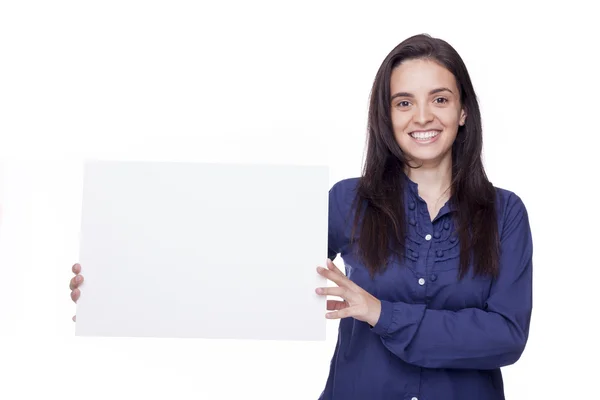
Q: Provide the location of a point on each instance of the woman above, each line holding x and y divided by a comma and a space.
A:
438, 261
437, 292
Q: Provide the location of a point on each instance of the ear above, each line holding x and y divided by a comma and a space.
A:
463, 117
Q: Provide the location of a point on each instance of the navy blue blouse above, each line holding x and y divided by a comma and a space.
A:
438, 337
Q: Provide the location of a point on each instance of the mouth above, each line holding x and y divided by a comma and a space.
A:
425, 136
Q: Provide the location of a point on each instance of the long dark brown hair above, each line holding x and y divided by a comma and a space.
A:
380, 192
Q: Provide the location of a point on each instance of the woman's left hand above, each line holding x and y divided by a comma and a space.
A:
358, 303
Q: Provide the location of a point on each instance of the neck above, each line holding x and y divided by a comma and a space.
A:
434, 180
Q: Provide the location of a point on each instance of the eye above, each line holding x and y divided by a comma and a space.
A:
403, 103
441, 100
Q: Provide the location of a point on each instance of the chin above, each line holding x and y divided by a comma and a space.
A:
426, 156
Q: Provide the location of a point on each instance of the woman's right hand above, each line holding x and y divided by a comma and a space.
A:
74, 284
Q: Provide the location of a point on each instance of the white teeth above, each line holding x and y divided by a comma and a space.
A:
424, 135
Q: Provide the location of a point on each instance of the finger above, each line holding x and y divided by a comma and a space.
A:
76, 268
75, 282
74, 318
75, 295
340, 280
348, 283
333, 267
331, 291
336, 305
343, 313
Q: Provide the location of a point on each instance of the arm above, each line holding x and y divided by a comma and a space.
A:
471, 338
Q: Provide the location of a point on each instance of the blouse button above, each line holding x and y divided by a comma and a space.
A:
412, 222
415, 254
453, 239
428, 237
437, 235
421, 281
439, 253
411, 205
433, 277
446, 225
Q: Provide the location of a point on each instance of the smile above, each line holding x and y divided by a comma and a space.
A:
425, 136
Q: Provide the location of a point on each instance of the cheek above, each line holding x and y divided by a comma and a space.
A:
451, 124
399, 127
400, 122
449, 117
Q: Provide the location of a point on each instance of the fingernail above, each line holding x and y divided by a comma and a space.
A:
319, 290
78, 278
320, 269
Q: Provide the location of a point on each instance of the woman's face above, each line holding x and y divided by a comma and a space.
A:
426, 110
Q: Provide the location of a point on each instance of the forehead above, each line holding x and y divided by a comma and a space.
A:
417, 76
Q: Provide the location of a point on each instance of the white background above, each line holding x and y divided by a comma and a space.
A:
276, 82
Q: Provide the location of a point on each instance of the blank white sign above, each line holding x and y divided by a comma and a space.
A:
203, 250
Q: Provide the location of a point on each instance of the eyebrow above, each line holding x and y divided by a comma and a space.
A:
407, 94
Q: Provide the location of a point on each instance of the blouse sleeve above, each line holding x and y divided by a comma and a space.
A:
472, 338
341, 197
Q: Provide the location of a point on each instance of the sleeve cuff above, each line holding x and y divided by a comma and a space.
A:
385, 318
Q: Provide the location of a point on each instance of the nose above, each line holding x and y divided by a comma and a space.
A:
423, 115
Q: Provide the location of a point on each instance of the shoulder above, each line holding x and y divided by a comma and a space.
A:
343, 193
511, 211
345, 187
342, 196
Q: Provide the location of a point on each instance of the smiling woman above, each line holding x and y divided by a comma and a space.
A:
421, 116
437, 294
